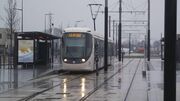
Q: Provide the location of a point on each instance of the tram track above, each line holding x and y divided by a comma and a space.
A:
47, 89
131, 83
40, 92
103, 83
75, 78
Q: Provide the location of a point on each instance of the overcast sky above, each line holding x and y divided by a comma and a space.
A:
67, 12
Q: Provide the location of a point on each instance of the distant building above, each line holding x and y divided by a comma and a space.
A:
4, 36
57, 43
57, 32
4, 39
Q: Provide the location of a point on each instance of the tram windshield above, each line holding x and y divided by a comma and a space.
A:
77, 45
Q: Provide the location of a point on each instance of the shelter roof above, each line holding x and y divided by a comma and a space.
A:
37, 35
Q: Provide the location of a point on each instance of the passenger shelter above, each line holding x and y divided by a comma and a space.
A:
35, 48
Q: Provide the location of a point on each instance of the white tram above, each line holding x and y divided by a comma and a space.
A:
80, 48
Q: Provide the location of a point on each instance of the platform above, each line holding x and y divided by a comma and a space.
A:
123, 82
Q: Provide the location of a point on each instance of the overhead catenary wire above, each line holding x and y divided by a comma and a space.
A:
128, 5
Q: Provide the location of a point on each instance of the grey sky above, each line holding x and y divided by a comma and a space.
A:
67, 12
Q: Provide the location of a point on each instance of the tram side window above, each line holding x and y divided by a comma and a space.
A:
102, 48
95, 44
97, 47
88, 44
110, 49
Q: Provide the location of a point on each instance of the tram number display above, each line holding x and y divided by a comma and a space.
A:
74, 35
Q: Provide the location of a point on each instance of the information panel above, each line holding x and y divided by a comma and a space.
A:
25, 51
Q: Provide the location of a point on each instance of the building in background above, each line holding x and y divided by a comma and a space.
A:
57, 43
4, 40
4, 45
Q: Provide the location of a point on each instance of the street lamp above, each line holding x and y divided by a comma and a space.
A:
21, 9
45, 23
50, 22
94, 15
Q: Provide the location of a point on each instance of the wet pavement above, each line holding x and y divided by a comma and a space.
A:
122, 82
155, 81
119, 88
24, 75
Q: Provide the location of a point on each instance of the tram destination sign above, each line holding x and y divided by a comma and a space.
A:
74, 35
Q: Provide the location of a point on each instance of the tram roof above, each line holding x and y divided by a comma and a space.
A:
37, 35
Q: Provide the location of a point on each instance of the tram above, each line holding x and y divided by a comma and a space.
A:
83, 49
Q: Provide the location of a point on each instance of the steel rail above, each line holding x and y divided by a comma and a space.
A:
129, 88
98, 87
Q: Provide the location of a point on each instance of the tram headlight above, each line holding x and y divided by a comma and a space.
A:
83, 60
65, 60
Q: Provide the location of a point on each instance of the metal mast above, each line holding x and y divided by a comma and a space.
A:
119, 42
94, 15
106, 36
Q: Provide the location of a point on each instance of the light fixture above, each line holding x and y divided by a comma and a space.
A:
65, 60
83, 60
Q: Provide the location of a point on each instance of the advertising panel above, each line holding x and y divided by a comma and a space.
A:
25, 51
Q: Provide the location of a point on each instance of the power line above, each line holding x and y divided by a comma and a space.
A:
130, 11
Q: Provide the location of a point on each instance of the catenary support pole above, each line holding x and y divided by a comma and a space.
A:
129, 44
119, 38
106, 37
94, 21
170, 50
109, 26
15, 60
148, 43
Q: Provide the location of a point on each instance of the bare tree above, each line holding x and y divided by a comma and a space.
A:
12, 22
11, 19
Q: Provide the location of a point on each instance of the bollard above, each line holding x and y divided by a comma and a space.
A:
123, 56
144, 74
96, 59
0, 62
